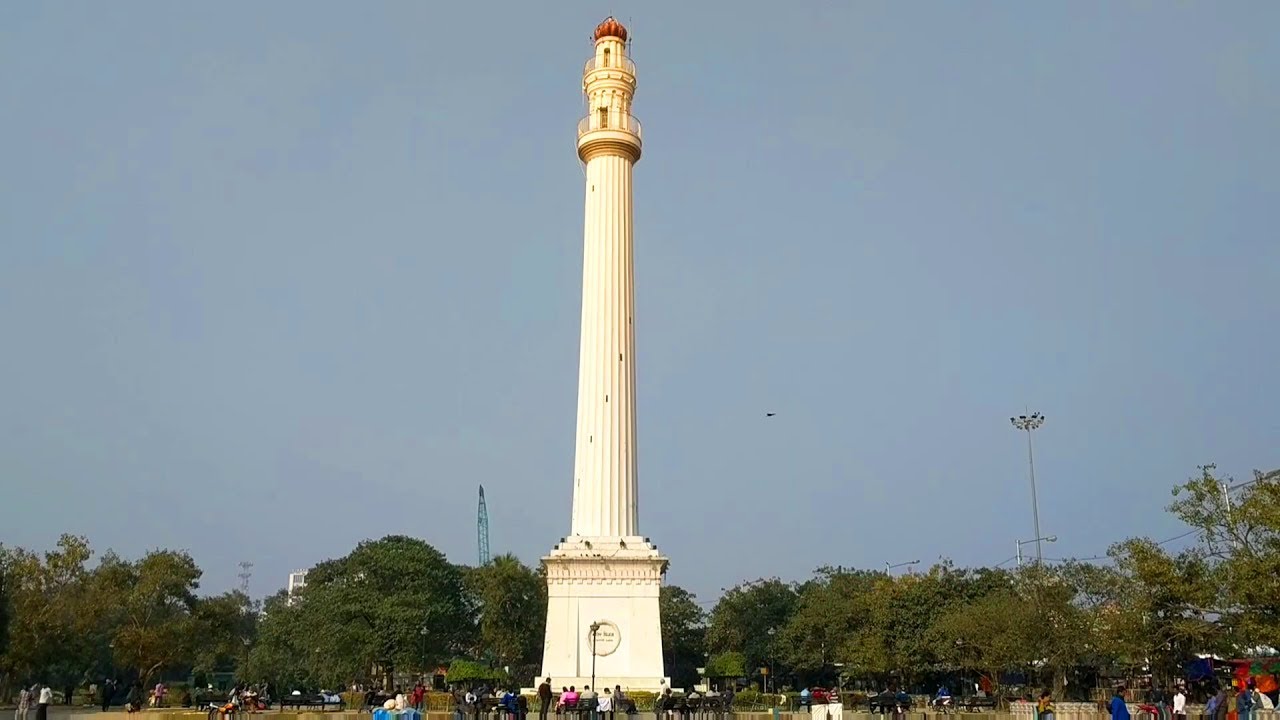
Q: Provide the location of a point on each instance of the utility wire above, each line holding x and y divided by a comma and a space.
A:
1108, 557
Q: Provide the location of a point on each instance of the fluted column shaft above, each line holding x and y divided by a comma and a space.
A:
605, 501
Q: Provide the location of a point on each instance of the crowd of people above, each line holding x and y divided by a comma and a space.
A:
1244, 701
38, 696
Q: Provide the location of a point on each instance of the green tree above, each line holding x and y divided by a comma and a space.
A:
1064, 630
281, 653
511, 600
5, 612
913, 602
838, 618
683, 634
1162, 611
154, 629
1239, 550
728, 665
744, 616
53, 614
226, 625
391, 603
874, 624
991, 634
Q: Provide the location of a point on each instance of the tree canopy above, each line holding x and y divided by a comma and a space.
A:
683, 634
394, 603
397, 605
511, 602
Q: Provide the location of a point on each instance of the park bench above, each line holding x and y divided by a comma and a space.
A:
578, 709
487, 707
886, 703
311, 702
715, 706
501, 713
976, 703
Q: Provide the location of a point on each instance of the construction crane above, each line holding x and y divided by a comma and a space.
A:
482, 530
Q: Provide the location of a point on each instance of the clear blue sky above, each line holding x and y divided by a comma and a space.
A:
275, 278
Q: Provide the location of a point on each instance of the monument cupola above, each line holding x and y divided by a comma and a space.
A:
611, 28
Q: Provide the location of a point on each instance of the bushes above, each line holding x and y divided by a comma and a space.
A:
749, 699
470, 672
439, 702
643, 700
745, 700
432, 702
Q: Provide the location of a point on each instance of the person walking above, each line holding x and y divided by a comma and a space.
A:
459, 704
1244, 702
133, 702
544, 698
42, 704
1220, 704
1159, 702
1044, 708
24, 705
1118, 708
474, 701
1180, 703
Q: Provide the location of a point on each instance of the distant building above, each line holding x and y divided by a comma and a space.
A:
297, 581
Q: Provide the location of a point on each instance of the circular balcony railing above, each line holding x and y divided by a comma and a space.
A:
606, 62
610, 121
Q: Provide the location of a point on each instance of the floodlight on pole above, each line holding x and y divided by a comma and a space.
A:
1028, 423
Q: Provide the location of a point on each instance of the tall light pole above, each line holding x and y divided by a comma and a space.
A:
1027, 423
1020, 543
595, 628
422, 631
766, 679
244, 670
888, 566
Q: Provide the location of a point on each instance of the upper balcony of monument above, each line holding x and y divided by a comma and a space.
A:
604, 74
606, 63
609, 132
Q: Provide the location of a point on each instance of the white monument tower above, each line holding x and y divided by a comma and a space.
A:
603, 580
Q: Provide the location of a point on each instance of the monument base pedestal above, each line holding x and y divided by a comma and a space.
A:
614, 584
